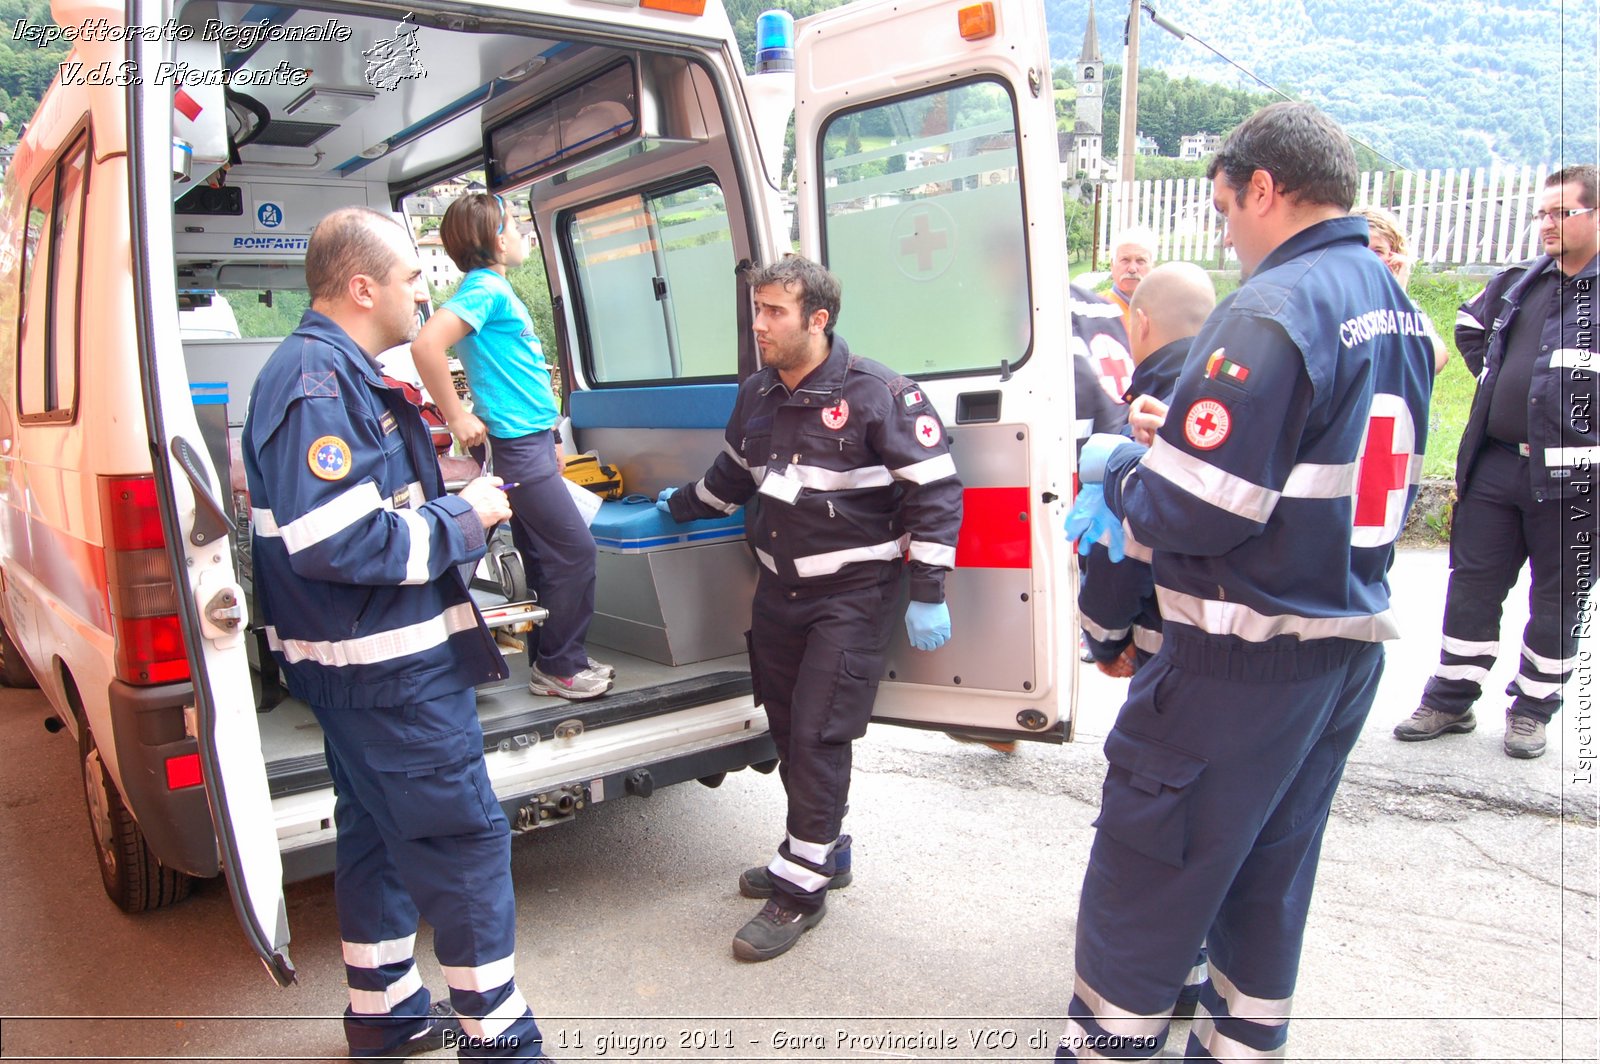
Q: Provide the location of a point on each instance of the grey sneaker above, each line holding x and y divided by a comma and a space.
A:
586, 684
757, 882
1430, 723
608, 671
772, 931
1524, 736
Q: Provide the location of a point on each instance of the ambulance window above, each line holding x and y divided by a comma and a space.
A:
655, 281
923, 223
48, 358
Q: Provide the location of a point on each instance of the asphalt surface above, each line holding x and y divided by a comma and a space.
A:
1455, 916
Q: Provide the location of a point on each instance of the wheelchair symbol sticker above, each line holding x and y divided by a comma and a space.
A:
270, 215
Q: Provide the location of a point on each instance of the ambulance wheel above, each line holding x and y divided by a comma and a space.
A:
513, 581
132, 876
14, 671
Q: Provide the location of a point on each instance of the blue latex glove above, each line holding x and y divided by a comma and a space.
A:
928, 624
1096, 453
661, 500
1091, 518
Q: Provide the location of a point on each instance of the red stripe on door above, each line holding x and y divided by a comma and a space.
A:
995, 530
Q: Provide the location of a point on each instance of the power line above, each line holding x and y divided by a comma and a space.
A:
1182, 34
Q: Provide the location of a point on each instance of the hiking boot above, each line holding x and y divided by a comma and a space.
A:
772, 931
1524, 736
757, 882
1430, 723
586, 684
608, 671
441, 1020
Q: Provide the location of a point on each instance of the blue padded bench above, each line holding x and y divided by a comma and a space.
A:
663, 588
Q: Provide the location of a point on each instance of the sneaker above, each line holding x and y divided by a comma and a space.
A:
1430, 723
1524, 736
441, 1021
608, 671
772, 931
757, 882
586, 684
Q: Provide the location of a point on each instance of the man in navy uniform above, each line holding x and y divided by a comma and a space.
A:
846, 475
358, 554
1524, 476
1271, 498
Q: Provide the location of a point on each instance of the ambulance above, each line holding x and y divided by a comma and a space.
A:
179, 162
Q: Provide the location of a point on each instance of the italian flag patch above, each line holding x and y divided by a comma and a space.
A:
1219, 367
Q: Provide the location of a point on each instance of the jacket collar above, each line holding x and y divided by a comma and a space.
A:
319, 326
826, 379
1538, 268
1319, 235
1164, 362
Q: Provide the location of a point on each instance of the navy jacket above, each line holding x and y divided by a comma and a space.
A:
840, 479
1274, 493
355, 544
1561, 402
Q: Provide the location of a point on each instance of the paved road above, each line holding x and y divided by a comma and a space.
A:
1456, 915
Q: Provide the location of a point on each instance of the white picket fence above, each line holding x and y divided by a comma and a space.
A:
1452, 217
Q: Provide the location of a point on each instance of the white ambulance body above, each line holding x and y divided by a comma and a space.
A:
628, 135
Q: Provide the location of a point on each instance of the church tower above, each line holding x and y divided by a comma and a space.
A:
1090, 78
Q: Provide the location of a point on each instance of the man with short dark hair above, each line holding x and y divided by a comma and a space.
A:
358, 554
846, 475
1271, 500
1524, 476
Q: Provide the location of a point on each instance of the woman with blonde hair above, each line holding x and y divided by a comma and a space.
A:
1389, 244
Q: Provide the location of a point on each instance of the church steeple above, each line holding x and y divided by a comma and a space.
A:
1091, 40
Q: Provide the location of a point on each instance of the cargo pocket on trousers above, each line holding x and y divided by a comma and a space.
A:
1145, 804
855, 688
435, 785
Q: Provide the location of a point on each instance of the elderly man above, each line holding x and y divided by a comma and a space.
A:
1524, 476
1133, 256
358, 554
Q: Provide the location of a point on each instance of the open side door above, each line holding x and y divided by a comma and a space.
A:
925, 143
194, 515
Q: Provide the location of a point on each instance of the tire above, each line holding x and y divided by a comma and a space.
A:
14, 671
513, 581
130, 873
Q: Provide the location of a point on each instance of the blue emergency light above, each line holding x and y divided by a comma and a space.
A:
774, 41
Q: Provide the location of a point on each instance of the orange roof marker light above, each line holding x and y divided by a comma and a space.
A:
977, 21
682, 7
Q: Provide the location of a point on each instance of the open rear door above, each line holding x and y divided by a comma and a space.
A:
192, 496
925, 142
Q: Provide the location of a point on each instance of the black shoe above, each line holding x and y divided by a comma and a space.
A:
757, 882
441, 1023
772, 931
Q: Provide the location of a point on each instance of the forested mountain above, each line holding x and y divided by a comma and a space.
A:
1428, 82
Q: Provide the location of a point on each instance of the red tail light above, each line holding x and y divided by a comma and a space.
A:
183, 771
143, 596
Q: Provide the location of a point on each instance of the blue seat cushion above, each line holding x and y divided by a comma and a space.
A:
634, 526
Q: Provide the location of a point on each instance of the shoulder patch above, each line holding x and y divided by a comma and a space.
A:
320, 385
1207, 424
928, 431
329, 458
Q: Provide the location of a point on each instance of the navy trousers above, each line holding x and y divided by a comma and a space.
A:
556, 546
1497, 527
816, 663
420, 832
1211, 822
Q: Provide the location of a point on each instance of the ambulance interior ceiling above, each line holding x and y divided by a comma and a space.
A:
419, 131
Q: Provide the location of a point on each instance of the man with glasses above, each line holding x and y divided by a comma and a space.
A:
1524, 476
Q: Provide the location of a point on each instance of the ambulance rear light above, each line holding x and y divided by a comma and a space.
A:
977, 21
183, 771
682, 7
140, 591
774, 41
